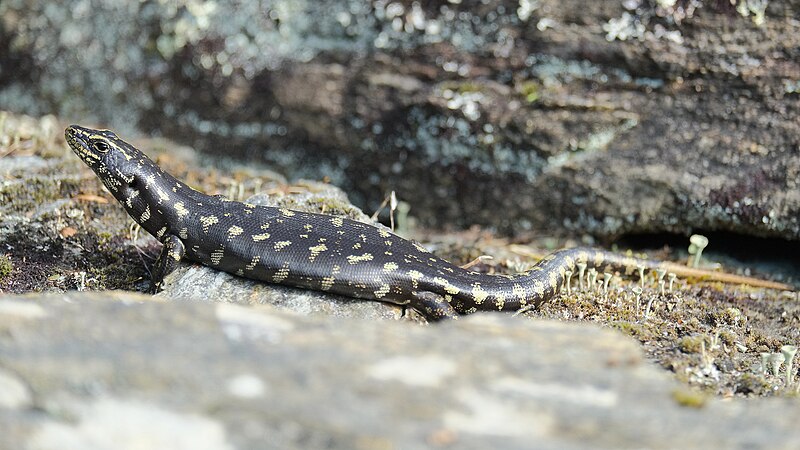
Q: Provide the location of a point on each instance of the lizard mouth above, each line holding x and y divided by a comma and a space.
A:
79, 145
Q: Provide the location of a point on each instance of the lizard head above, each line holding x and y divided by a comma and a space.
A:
111, 158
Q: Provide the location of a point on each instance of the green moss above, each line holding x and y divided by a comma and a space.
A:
330, 205
530, 90
629, 328
6, 266
749, 383
104, 237
733, 315
728, 337
462, 87
24, 195
691, 344
689, 399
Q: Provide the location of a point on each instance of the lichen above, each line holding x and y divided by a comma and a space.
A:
755, 8
113, 50
791, 86
6, 266
661, 20
443, 140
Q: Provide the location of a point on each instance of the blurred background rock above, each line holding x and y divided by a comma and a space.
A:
608, 118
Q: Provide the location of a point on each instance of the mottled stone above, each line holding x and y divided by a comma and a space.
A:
14, 394
196, 282
107, 422
120, 370
21, 310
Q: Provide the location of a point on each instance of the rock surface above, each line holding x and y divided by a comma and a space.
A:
200, 283
599, 117
81, 370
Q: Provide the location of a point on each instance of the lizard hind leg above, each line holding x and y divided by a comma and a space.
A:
171, 254
433, 306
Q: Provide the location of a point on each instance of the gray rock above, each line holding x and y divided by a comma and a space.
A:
121, 370
14, 394
196, 282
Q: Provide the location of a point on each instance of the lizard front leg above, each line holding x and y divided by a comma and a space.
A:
433, 306
171, 254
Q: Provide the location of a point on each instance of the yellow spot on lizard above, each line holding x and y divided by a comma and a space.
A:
449, 288
316, 250
478, 294
280, 245
538, 288
234, 231
353, 259
216, 256
281, 274
382, 291
181, 210
415, 277
253, 262
207, 221
145, 215
129, 200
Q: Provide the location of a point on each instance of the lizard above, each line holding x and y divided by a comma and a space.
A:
313, 251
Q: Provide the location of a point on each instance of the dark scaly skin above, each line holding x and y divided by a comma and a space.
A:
313, 251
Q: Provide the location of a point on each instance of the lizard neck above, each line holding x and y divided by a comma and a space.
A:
158, 201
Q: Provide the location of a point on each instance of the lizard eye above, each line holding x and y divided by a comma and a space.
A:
100, 146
